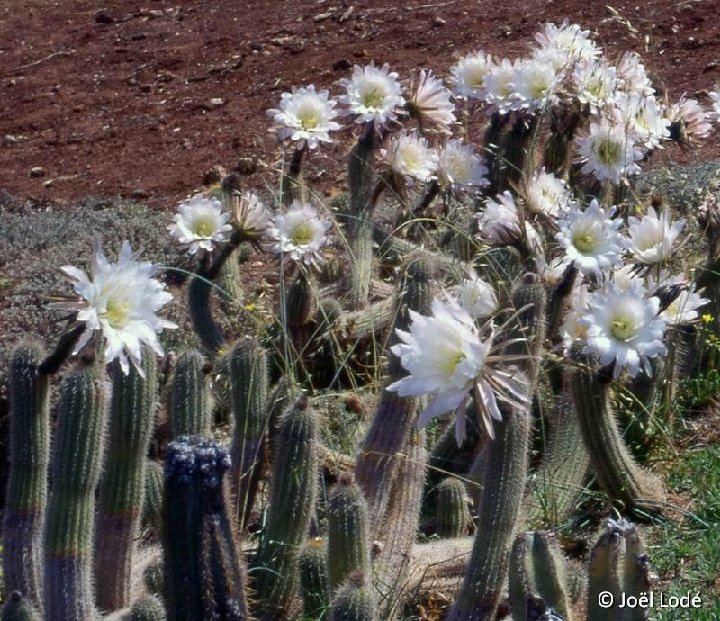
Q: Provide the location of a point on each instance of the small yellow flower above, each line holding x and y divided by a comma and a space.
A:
707, 318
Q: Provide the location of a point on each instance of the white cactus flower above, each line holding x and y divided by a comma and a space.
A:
625, 276
460, 168
298, 235
632, 76
545, 193
693, 117
200, 223
683, 309
373, 94
596, 83
251, 215
572, 329
715, 102
468, 75
608, 152
409, 155
305, 116
536, 84
122, 300
499, 222
499, 89
447, 358
477, 297
643, 117
591, 238
566, 44
431, 102
623, 326
652, 236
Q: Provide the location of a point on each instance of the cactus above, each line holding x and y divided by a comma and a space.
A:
292, 498
453, 516
618, 565
314, 579
189, 397
69, 529
348, 543
203, 574
148, 609
506, 463
153, 496
154, 578
27, 481
248, 387
360, 226
537, 577
18, 608
354, 601
132, 416
617, 473
204, 324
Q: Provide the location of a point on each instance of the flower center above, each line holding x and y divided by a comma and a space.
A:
584, 241
117, 313
303, 234
204, 226
450, 364
374, 97
622, 328
608, 151
309, 117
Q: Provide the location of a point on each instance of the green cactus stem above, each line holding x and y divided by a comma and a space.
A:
348, 532
390, 468
293, 188
248, 387
148, 609
293, 489
132, 417
18, 608
453, 515
153, 496
559, 146
537, 577
620, 477
27, 482
361, 177
314, 579
618, 565
203, 573
354, 601
68, 589
506, 464
189, 397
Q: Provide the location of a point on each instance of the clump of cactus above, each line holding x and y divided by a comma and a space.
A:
515, 295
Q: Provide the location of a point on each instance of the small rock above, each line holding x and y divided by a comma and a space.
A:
138, 194
214, 175
438, 21
103, 17
216, 102
138, 36
342, 65
711, 66
37, 171
321, 17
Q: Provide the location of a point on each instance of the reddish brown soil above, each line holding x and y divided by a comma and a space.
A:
124, 107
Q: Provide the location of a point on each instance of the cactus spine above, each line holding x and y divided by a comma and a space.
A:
132, 415
204, 577
348, 543
27, 482
314, 579
18, 608
75, 470
153, 496
537, 577
617, 473
505, 471
189, 397
354, 601
248, 386
453, 515
292, 498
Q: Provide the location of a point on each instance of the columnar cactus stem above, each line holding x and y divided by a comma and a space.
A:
348, 542
453, 516
314, 579
153, 495
617, 473
292, 182
391, 467
361, 177
293, 489
506, 466
537, 577
75, 470
27, 482
18, 608
148, 609
354, 601
189, 397
132, 416
248, 389
204, 575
